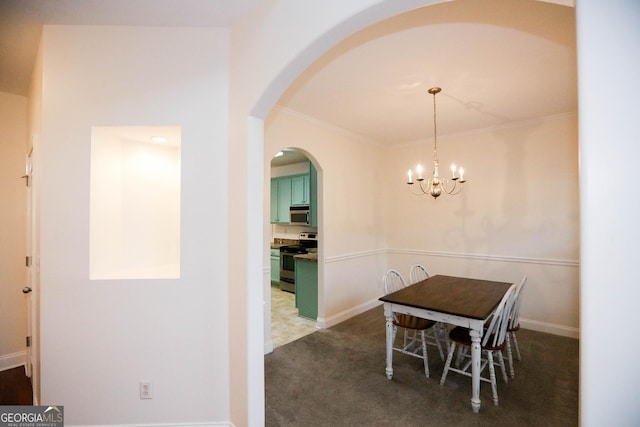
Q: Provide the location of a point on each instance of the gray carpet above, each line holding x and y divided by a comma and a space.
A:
335, 377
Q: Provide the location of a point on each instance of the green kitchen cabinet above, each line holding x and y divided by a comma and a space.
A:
294, 190
274, 201
280, 200
313, 195
275, 265
300, 190
306, 274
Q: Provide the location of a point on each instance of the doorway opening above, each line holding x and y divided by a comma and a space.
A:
293, 242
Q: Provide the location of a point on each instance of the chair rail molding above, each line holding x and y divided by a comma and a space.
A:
488, 257
355, 255
464, 255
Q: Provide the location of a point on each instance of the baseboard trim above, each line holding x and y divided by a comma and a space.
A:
550, 328
268, 347
347, 314
13, 360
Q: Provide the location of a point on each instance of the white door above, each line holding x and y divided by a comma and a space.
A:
31, 288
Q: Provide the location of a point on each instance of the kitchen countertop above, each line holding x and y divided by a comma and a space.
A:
278, 243
313, 257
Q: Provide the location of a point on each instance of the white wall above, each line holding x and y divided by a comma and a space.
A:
13, 237
608, 67
520, 198
99, 339
518, 214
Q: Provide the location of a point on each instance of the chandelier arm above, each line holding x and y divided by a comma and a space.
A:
445, 184
421, 193
459, 190
428, 182
453, 191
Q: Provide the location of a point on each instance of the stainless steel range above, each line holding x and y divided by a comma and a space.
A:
307, 241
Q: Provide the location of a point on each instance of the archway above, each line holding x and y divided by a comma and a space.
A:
264, 104
290, 315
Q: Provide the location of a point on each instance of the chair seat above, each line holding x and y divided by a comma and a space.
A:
514, 328
461, 336
411, 322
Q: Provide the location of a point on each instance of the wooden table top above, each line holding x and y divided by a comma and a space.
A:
459, 296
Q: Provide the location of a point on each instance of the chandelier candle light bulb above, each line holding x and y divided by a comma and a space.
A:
436, 185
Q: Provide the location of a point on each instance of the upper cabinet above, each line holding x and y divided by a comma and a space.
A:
280, 200
300, 190
313, 195
294, 190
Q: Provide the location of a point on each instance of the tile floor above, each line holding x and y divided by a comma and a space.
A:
286, 325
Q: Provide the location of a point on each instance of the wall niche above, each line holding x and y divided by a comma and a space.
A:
135, 202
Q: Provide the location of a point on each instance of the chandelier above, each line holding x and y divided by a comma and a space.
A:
436, 185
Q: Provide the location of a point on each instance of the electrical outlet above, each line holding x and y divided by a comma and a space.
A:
146, 391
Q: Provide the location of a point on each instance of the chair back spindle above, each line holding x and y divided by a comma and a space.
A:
495, 334
514, 318
418, 273
393, 281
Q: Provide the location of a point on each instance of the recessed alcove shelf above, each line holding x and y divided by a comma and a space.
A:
135, 203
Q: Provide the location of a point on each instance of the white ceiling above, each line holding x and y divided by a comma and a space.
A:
497, 61
21, 24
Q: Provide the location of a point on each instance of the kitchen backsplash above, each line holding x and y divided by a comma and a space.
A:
281, 231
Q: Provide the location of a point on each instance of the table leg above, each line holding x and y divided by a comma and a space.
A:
475, 369
389, 368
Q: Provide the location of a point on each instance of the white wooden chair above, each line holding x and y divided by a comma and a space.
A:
418, 273
493, 342
415, 330
514, 326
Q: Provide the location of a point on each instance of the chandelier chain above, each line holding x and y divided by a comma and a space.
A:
435, 129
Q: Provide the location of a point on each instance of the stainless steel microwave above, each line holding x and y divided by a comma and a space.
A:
299, 215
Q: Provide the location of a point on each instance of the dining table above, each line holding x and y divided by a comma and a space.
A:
458, 301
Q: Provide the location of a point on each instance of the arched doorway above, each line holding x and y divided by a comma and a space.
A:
286, 77
293, 306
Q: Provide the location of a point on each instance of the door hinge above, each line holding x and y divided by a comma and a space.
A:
27, 261
28, 341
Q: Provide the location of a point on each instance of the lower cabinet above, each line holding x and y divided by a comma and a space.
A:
275, 265
306, 272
